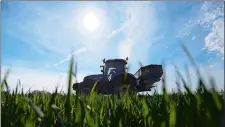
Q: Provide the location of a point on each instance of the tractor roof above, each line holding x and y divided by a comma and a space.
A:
151, 66
116, 60
94, 76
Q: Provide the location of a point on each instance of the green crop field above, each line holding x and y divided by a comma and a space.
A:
201, 108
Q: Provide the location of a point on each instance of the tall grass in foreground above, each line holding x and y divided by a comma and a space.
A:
202, 108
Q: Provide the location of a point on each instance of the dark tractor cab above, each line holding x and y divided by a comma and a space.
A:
114, 71
113, 66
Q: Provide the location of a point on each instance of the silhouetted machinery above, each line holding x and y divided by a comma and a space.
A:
116, 79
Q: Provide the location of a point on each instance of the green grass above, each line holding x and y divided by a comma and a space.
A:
201, 108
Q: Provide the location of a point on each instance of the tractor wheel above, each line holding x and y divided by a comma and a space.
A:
86, 90
119, 86
124, 88
102, 87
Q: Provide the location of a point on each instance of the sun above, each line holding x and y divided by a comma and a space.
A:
91, 21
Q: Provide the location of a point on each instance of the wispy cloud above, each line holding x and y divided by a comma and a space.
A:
141, 25
77, 52
115, 32
43, 29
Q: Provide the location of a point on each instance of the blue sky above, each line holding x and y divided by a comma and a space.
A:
38, 38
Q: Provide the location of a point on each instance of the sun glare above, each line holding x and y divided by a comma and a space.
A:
91, 22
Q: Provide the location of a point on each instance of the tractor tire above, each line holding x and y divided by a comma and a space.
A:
118, 85
102, 87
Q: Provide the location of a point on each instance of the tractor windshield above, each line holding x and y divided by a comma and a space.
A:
114, 67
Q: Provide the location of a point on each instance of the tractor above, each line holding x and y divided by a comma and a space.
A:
115, 78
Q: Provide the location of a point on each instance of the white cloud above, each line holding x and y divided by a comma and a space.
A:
214, 41
210, 12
